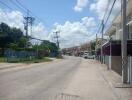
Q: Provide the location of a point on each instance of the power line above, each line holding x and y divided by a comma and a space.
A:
105, 22
108, 4
103, 26
26, 21
100, 26
114, 19
6, 5
109, 13
36, 38
24, 7
57, 38
18, 6
105, 13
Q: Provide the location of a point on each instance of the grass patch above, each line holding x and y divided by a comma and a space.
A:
59, 57
35, 60
2, 59
45, 59
25, 60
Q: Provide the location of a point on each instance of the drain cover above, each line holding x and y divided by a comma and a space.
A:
65, 96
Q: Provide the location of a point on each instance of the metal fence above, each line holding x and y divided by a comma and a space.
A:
130, 69
13, 56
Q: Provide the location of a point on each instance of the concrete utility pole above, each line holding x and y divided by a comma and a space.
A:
57, 38
124, 43
102, 31
28, 22
96, 46
96, 42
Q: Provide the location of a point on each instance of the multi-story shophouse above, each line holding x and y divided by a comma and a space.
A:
112, 48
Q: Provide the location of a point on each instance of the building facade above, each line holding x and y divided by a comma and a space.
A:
112, 53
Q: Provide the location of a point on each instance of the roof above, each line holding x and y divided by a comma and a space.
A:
111, 30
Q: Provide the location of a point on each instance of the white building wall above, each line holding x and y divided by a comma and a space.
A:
118, 32
113, 37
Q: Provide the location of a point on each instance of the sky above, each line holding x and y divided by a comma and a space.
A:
77, 20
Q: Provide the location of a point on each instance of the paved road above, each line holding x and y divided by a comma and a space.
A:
68, 79
40, 82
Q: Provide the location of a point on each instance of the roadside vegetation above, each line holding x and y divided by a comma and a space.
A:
2, 59
16, 47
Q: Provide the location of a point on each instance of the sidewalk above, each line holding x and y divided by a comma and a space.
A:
93, 81
9, 65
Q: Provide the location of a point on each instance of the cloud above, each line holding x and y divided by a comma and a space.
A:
71, 33
12, 18
39, 31
89, 22
80, 5
75, 33
16, 19
100, 6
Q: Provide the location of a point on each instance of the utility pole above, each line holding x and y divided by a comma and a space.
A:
57, 38
124, 43
102, 39
90, 46
96, 45
28, 22
96, 42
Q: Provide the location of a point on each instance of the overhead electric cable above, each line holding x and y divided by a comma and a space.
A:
24, 7
18, 6
109, 13
6, 5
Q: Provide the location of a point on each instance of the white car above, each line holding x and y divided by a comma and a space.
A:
85, 55
88, 56
91, 56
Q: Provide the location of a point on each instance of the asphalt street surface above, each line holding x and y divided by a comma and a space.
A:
71, 78
40, 82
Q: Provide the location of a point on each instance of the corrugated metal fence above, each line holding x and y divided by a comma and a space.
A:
12, 55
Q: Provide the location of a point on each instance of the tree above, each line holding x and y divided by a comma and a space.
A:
22, 42
46, 48
15, 35
13, 46
93, 45
11, 37
5, 29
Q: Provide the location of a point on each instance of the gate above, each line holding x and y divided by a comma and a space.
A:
130, 70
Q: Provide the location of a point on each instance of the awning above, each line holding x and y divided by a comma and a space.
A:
114, 48
129, 23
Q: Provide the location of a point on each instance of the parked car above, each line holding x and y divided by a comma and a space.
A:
85, 55
88, 56
91, 56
